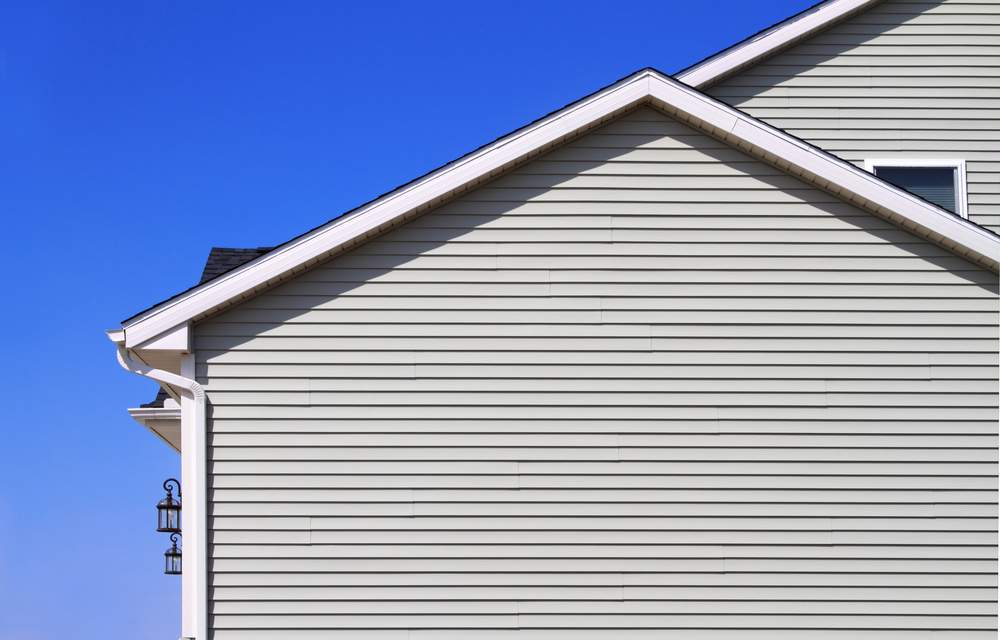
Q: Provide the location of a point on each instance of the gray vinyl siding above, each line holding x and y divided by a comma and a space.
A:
642, 383
908, 78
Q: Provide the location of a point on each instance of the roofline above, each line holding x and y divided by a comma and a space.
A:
463, 157
707, 71
555, 127
644, 87
770, 41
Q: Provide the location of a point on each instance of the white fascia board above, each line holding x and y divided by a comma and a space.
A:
648, 86
771, 41
746, 132
926, 219
151, 417
387, 209
155, 413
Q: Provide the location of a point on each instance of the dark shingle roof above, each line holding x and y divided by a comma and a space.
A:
157, 402
224, 259
220, 260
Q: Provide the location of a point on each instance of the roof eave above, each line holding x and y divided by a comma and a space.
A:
162, 422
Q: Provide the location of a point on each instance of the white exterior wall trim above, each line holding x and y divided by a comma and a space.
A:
647, 86
770, 41
148, 417
194, 577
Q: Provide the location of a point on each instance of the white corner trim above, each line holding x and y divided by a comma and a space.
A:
194, 480
770, 41
647, 86
958, 164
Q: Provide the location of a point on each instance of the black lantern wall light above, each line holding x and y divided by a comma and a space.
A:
168, 510
172, 558
168, 520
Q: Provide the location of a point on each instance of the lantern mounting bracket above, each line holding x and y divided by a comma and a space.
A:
166, 486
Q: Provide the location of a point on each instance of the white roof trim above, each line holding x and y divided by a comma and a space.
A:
647, 86
770, 41
158, 420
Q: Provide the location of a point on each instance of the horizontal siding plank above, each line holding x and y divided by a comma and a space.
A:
847, 467
591, 412
732, 328
231, 372
597, 453
555, 510
605, 551
524, 481
376, 304
585, 634
829, 358
588, 496
625, 425
223, 374
734, 245
614, 565
731, 538
645, 578
738, 621
468, 606
595, 440
708, 596
599, 384
594, 343
622, 523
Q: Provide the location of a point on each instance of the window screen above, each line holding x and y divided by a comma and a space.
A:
936, 184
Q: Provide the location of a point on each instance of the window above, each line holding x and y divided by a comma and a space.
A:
939, 181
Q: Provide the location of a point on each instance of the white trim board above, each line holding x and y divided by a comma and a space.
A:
159, 419
644, 87
961, 180
770, 41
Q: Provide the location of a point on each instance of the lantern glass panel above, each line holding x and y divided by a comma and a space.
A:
168, 515
172, 561
173, 565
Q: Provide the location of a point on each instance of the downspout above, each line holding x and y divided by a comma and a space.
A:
194, 600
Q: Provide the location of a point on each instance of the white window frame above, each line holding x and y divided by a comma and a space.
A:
961, 184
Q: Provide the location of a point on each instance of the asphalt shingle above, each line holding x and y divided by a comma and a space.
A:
224, 259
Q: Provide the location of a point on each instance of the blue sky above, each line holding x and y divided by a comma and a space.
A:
136, 135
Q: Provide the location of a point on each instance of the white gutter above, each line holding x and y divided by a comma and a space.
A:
194, 576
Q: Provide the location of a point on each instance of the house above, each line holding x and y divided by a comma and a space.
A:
695, 357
